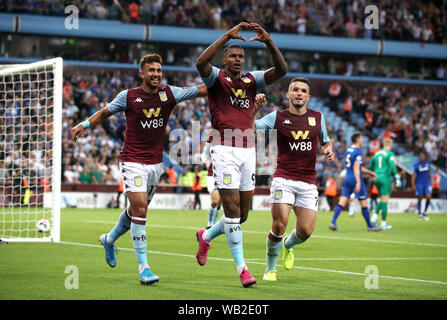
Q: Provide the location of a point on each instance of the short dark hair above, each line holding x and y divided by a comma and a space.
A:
232, 46
149, 58
300, 79
355, 136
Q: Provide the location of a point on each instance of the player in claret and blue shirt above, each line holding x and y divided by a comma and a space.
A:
231, 95
299, 133
353, 182
421, 183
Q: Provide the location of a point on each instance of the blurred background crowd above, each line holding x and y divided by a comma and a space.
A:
410, 20
413, 115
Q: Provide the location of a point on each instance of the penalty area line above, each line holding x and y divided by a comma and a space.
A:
261, 263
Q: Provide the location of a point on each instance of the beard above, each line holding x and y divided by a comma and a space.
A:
150, 85
298, 105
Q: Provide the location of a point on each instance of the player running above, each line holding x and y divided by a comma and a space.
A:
147, 110
231, 95
216, 202
299, 131
353, 182
421, 183
383, 165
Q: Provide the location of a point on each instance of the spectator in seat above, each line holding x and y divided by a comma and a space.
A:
334, 95
133, 12
86, 176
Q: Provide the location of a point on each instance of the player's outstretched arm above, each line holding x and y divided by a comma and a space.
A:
280, 66
203, 63
95, 119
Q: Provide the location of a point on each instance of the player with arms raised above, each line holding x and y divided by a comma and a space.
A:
383, 165
231, 95
299, 131
147, 109
354, 182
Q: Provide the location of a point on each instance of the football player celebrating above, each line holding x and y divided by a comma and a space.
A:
231, 95
299, 132
147, 110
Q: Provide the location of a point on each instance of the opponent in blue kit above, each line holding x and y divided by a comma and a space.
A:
421, 183
353, 182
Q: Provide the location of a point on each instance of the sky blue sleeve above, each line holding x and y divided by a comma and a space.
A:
183, 94
324, 137
267, 122
259, 79
209, 81
119, 103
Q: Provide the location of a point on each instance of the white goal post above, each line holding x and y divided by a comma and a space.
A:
30, 149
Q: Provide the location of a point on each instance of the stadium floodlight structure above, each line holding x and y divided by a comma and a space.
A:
30, 150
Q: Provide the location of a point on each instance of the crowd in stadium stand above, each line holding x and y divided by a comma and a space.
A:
422, 21
304, 63
416, 117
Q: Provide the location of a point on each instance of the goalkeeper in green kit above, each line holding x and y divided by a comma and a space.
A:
383, 165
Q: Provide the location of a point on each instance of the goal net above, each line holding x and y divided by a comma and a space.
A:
30, 149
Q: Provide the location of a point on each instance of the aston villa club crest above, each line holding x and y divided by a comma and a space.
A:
227, 179
138, 181
312, 121
246, 79
278, 194
163, 96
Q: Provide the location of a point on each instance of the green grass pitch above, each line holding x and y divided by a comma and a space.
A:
411, 261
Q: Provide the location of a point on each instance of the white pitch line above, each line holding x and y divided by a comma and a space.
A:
357, 259
383, 241
261, 263
313, 236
